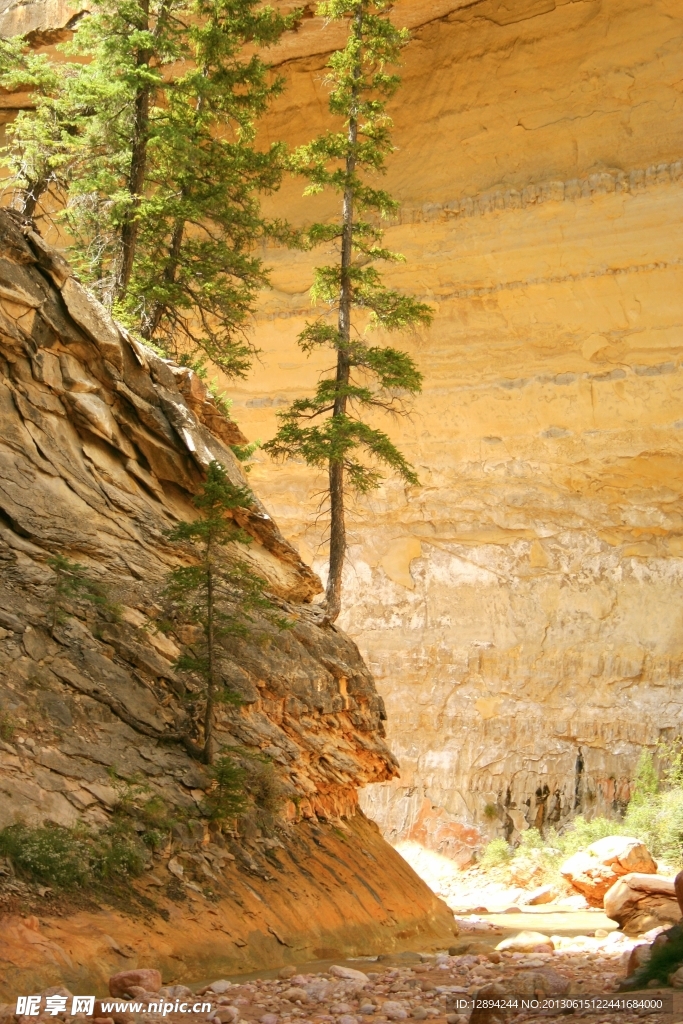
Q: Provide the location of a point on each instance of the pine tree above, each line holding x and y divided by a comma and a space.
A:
40, 144
219, 593
152, 125
328, 429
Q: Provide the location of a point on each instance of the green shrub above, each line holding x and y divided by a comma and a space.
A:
71, 858
6, 727
531, 839
496, 853
52, 854
227, 798
264, 786
664, 960
646, 779
581, 833
659, 823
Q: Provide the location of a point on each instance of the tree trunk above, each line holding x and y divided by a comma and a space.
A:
31, 197
138, 158
336, 466
170, 270
210, 675
136, 182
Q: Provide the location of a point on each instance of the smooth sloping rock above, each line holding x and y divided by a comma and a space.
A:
639, 902
94, 319
592, 871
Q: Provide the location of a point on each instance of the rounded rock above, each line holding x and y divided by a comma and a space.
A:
147, 978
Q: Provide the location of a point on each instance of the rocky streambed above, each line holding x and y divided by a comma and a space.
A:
437, 988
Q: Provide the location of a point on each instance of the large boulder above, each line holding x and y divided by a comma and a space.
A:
594, 870
639, 902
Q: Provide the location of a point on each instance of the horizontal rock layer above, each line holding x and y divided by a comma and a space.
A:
521, 608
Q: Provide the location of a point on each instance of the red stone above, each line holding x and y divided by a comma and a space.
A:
146, 977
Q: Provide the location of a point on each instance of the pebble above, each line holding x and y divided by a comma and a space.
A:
428, 991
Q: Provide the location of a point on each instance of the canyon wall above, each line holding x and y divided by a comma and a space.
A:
520, 609
102, 445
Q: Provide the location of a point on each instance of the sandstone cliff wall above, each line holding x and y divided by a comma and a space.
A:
521, 610
102, 445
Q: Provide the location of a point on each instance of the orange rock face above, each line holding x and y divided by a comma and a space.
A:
594, 870
355, 897
100, 452
520, 609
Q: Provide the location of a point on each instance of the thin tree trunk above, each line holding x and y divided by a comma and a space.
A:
173, 260
210, 676
169, 274
136, 182
138, 160
32, 196
336, 467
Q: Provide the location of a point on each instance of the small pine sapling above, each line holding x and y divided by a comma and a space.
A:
227, 797
219, 593
330, 429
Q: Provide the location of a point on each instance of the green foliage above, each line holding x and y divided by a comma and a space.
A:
531, 839
659, 824
146, 136
330, 429
664, 959
220, 593
147, 815
581, 833
68, 858
264, 786
244, 452
227, 798
7, 726
496, 853
646, 781
72, 582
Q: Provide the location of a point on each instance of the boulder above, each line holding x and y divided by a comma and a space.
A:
594, 870
676, 978
638, 956
546, 982
121, 984
638, 902
526, 942
540, 895
349, 974
491, 1015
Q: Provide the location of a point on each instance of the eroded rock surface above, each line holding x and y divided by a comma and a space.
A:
102, 444
594, 870
521, 609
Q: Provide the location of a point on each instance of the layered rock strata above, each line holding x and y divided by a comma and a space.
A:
102, 445
532, 644
521, 610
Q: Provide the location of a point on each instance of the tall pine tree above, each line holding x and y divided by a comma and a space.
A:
149, 135
330, 428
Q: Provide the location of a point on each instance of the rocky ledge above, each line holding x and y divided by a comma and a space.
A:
102, 445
